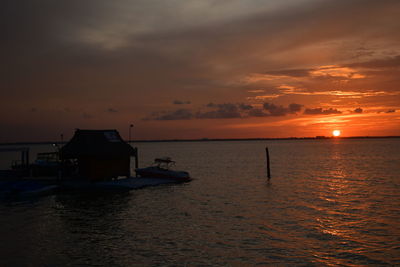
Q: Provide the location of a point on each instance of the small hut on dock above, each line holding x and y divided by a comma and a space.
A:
99, 154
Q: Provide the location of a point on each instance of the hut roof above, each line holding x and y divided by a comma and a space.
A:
96, 143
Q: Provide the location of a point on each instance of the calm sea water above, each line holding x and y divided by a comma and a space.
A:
329, 203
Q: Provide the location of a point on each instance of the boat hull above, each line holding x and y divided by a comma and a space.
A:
156, 172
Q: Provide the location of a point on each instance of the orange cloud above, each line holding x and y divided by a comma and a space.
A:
337, 72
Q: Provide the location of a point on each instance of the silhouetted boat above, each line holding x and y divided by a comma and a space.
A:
46, 164
161, 168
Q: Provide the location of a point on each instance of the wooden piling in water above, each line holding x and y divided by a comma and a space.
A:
268, 168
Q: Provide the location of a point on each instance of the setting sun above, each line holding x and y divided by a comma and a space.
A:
336, 133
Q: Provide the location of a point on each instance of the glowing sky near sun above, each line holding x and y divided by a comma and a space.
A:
195, 69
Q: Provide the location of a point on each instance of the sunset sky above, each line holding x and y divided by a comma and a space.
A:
187, 69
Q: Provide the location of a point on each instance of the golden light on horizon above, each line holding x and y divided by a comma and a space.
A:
336, 133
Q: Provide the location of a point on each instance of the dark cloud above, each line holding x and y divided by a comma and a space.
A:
242, 110
221, 111
211, 111
243, 106
294, 108
112, 110
378, 67
320, 111
179, 102
289, 72
256, 112
391, 111
211, 105
390, 62
179, 114
275, 110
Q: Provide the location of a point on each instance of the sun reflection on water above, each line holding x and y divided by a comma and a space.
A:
342, 212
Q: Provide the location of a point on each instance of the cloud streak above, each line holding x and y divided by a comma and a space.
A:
179, 102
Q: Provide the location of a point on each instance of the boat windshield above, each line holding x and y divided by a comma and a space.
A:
164, 163
49, 157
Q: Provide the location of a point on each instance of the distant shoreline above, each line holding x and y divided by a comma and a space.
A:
214, 140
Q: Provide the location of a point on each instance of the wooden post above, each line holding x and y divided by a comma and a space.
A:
268, 169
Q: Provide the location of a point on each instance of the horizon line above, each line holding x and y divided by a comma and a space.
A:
212, 139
